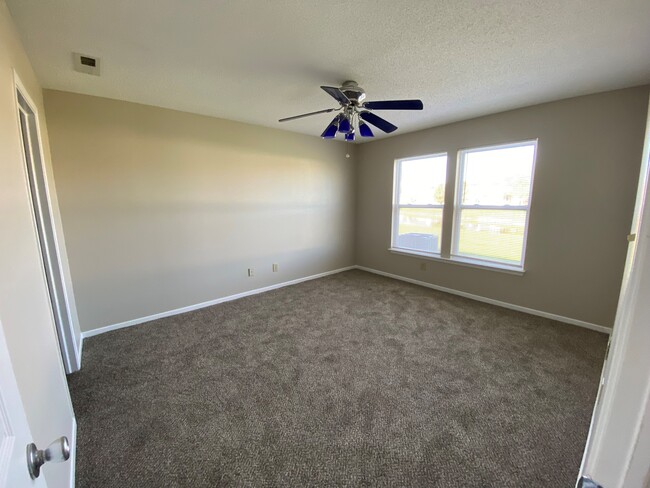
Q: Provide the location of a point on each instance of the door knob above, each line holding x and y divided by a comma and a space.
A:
56, 452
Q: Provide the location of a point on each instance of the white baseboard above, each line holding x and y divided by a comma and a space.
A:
149, 318
129, 323
73, 453
552, 316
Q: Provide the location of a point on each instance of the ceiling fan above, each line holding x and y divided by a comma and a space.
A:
354, 112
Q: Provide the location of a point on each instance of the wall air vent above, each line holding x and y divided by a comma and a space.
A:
86, 64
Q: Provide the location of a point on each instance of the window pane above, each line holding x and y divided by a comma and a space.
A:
419, 228
422, 181
498, 176
492, 234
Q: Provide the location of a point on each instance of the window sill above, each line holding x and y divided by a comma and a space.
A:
469, 262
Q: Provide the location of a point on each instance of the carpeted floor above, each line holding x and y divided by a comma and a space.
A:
349, 380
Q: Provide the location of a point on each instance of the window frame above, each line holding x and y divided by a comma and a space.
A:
397, 178
449, 237
459, 206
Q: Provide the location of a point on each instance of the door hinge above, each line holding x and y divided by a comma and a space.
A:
586, 482
607, 349
631, 237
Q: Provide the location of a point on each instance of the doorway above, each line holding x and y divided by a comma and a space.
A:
58, 295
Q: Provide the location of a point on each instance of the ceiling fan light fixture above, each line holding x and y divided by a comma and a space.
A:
353, 108
344, 125
364, 130
330, 131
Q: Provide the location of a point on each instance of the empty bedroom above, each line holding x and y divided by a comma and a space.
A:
305, 243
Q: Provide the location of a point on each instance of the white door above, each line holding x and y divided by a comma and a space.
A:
617, 454
29, 337
14, 430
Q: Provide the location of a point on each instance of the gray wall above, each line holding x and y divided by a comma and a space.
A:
164, 209
587, 169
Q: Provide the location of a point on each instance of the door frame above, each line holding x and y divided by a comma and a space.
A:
69, 344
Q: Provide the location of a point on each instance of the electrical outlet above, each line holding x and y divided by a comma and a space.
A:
251, 272
276, 267
423, 266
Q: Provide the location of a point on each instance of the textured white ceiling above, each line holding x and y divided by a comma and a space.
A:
259, 60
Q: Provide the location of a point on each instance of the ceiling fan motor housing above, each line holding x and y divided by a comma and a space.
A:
353, 91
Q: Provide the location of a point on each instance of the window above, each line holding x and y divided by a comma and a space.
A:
419, 201
493, 197
489, 219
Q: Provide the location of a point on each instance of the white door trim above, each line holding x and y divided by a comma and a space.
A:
71, 347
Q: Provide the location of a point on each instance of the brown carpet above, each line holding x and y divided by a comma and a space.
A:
349, 380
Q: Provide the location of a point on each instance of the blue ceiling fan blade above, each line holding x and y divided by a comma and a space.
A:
395, 105
349, 136
364, 130
378, 122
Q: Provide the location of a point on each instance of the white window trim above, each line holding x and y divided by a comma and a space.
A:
396, 205
461, 261
458, 206
453, 258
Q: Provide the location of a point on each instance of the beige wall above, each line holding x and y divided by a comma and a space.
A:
587, 169
25, 312
164, 209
